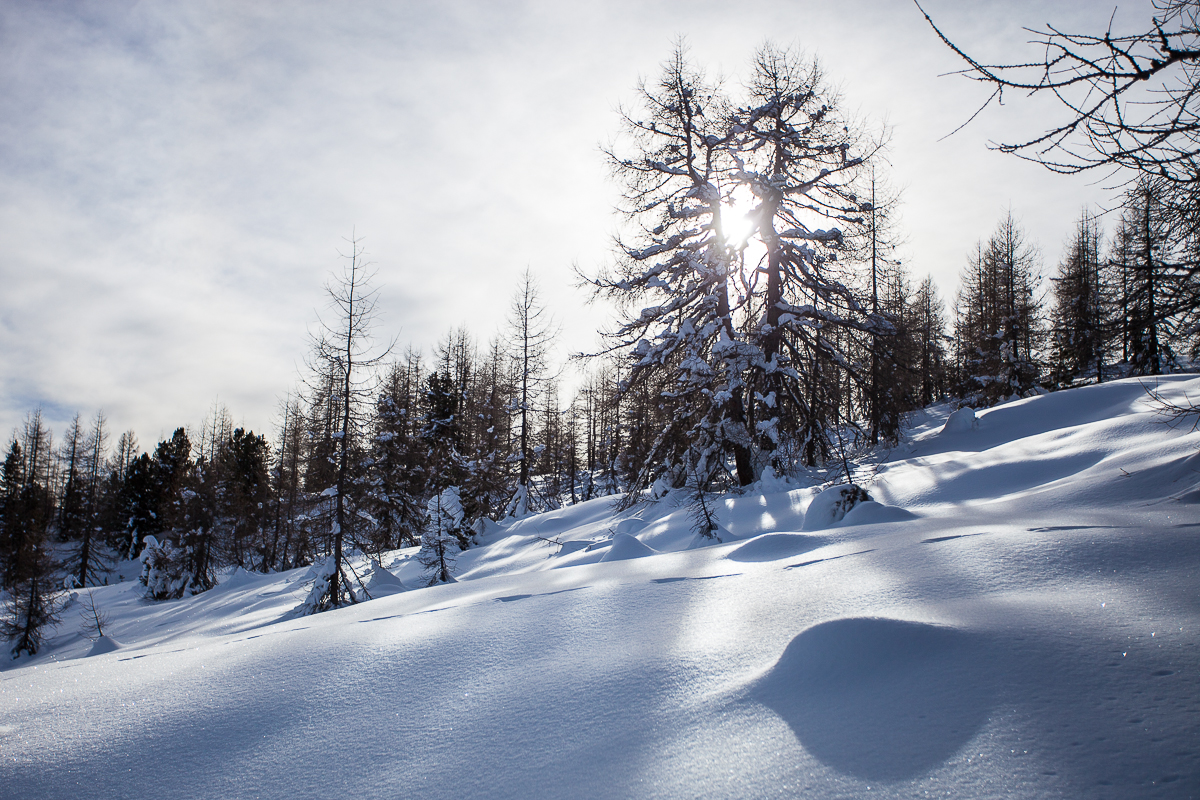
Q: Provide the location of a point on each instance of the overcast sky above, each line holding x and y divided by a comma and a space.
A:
176, 179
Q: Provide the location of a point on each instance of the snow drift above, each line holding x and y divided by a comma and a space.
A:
1013, 614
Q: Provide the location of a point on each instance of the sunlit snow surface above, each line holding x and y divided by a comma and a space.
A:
1029, 631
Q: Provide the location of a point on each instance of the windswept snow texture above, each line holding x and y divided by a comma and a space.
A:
1031, 630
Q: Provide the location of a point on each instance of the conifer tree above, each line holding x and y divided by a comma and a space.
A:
674, 276
531, 332
998, 328
345, 363
89, 557
800, 159
71, 500
288, 545
1157, 288
1079, 316
927, 324
440, 540
398, 456
30, 565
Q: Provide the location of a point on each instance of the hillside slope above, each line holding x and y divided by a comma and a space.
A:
1017, 616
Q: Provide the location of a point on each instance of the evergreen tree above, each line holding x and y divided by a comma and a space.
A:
138, 505
398, 457
440, 541
12, 522
998, 325
30, 565
71, 500
1079, 316
346, 365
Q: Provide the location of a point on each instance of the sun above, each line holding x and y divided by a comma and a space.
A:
736, 222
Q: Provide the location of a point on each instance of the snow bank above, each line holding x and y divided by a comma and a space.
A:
962, 420
881, 699
773, 546
383, 583
624, 547
1035, 633
104, 644
868, 512
831, 505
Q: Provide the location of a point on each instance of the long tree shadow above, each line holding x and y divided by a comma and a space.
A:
881, 699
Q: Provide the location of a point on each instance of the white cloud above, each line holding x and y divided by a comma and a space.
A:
175, 179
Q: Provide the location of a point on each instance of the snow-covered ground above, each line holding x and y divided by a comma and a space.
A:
1017, 616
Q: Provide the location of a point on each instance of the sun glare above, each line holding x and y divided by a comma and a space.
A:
735, 219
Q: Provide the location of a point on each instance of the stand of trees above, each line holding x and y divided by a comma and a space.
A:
737, 352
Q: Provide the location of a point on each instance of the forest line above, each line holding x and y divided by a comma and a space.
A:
787, 346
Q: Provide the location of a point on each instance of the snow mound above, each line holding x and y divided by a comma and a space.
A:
567, 548
881, 699
963, 419
105, 644
629, 526
721, 535
625, 547
830, 506
770, 482
773, 546
1175, 479
868, 512
238, 578
384, 583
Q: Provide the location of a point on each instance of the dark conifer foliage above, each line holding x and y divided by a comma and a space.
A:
26, 517
1080, 316
1153, 278
998, 326
397, 461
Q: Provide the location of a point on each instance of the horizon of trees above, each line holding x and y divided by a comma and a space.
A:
780, 351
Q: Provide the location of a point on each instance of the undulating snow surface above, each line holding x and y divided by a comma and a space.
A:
1015, 614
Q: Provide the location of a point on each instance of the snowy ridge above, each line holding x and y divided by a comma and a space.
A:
1015, 615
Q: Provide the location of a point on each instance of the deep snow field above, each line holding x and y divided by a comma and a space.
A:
1018, 616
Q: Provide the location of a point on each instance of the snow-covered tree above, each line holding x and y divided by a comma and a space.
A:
440, 540
675, 274
345, 361
998, 328
800, 158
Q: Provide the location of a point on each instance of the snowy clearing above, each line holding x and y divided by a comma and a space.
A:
1016, 614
